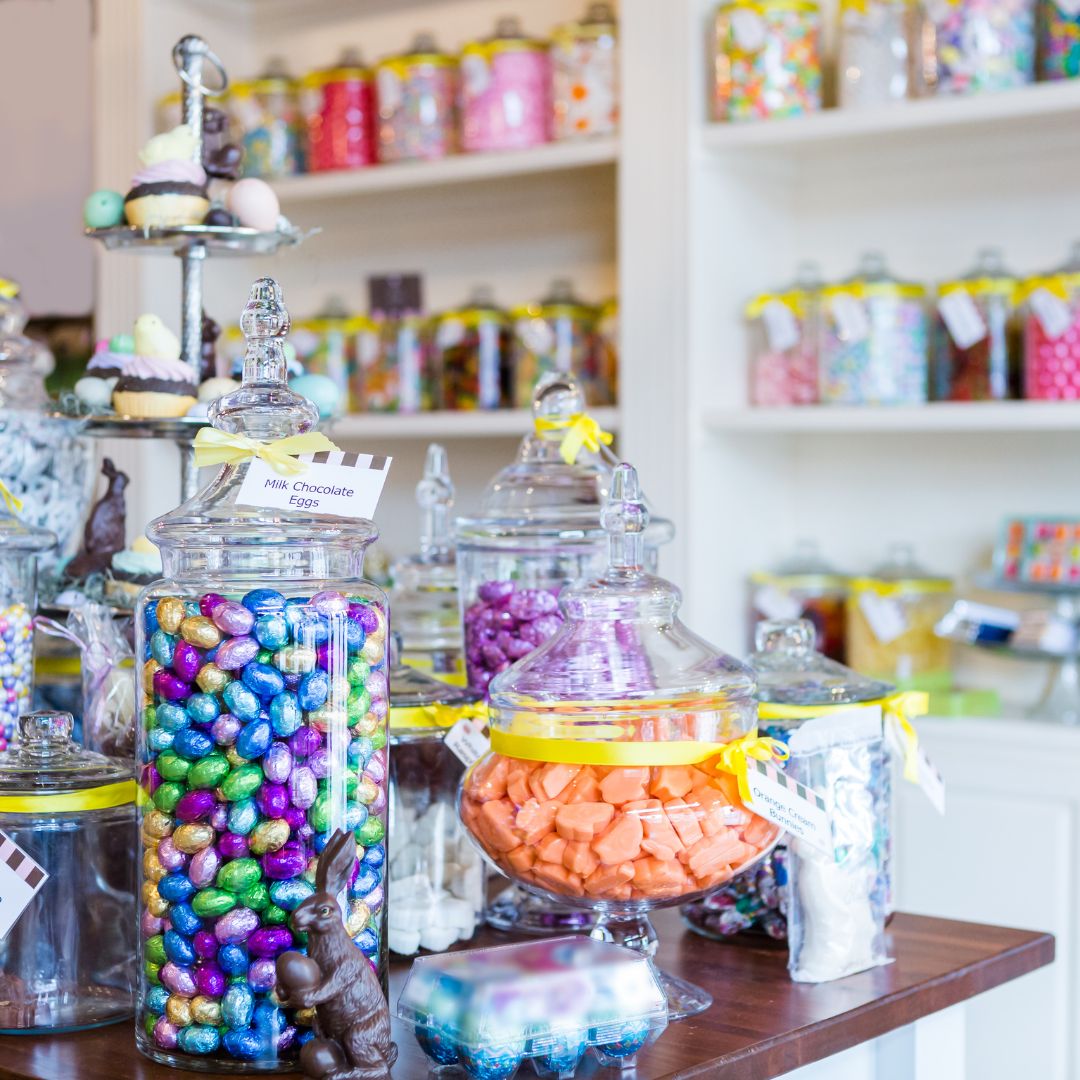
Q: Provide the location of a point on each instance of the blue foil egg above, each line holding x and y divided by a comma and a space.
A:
162, 647
271, 631
156, 997
289, 895
438, 1046
263, 602
192, 744
232, 959
176, 888
243, 816
367, 942
202, 708
171, 717
492, 1062
374, 856
367, 879
254, 740
198, 1039
245, 1044
262, 679
360, 751
159, 739
310, 628
632, 1037
285, 714
314, 690
238, 1006
243, 704
179, 949
184, 919
150, 622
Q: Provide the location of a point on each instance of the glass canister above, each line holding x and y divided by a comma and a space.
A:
803, 586
262, 661
424, 598
604, 789
767, 59
68, 962
266, 115
471, 354
390, 374
338, 105
505, 91
1051, 320
1059, 40
977, 343
784, 331
417, 99
891, 615
556, 334
585, 75
20, 546
880, 53
874, 339
982, 44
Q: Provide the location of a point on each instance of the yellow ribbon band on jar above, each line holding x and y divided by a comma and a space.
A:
900, 587
100, 798
435, 716
582, 431
13, 503
213, 447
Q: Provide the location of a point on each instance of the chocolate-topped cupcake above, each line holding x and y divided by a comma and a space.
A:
170, 188
155, 381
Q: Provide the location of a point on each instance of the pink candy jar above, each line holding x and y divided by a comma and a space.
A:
338, 106
1051, 316
585, 75
505, 91
417, 94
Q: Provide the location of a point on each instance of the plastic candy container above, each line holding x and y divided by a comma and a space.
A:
1059, 40
983, 44
267, 118
1051, 321
425, 595
548, 1002
880, 52
606, 787
768, 59
976, 334
585, 75
557, 334
417, 98
783, 343
874, 339
19, 548
69, 960
471, 354
505, 91
890, 624
262, 663
803, 586
339, 113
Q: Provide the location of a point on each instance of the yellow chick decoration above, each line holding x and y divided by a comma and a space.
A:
154, 339
176, 145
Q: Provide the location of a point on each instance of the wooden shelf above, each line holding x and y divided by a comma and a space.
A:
497, 423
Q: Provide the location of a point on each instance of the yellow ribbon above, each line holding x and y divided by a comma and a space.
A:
8, 289
582, 431
213, 447
13, 503
436, 715
100, 798
899, 708
735, 758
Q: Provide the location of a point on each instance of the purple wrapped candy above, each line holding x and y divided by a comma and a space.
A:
186, 661
236, 653
208, 602
287, 863
170, 687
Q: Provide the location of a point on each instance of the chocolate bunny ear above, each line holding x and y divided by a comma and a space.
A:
336, 863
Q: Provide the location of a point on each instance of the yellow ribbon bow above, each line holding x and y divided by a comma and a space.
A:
898, 708
8, 289
213, 447
736, 756
438, 716
13, 503
581, 431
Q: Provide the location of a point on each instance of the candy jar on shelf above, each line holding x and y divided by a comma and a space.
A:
880, 54
1051, 321
585, 74
982, 44
470, 358
783, 329
424, 598
1059, 40
874, 339
802, 586
416, 94
767, 59
607, 346
338, 105
266, 116
891, 615
976, 340
605, 787
390, 373
262, 660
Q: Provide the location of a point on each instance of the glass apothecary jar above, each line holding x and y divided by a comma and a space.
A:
470, 354
802, 586
977, 342
1059, 40
604, 788
262, 660
424, 599
982, 45
266, 115
891, 615
1051, 327
585, 75
784, 330
767, 59
880, 53
874, 339
68, 961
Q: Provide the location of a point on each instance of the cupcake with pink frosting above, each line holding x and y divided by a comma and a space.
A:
170, 187
155, 381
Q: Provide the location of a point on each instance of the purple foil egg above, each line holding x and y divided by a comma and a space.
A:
195, 805
178, 980
272, 800
225, 729
304, 741
233, 619
378, 804
303, 787
495, 592
287, 863
374, 899
236, 926
209, 978
319, 763
296, 817
236, 653
286, 1038
277, 763
378, 708
269, 941
219, 817
329, 602
366, 615
233, 845
165, 1034
150, 924
209, 601
376, 685
262, 974
204, 867
305, 833
376, 766
171, 687
150, 779
186, 661
292, 679
206, 947
171, 857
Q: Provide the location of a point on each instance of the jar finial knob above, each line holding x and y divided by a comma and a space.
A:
435, 497
625, 518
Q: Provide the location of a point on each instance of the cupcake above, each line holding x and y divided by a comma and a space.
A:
155, 381
111, 357
132, 570
170, 188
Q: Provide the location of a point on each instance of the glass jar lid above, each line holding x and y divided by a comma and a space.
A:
16, 537
795, 296
434, 567
804, 567
790, 671
561, 301
873, 277
901, 572
623, 667
989, 276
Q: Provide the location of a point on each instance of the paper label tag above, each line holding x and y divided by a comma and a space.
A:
451, 332
1051, 311
852, 321
791, 805
21, 880
536, 335
476, 74
388, 87
885, 616
931, 781
774, 603
781, 326
748, 28
962, 318
467, 742
344, 485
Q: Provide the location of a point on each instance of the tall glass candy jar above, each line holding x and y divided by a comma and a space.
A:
263, 729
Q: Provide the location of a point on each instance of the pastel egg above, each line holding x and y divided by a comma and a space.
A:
320, 390
199, 630
277, 763
204, 867
271, 631
103, 209
236, 925
261, 974
233, 619
255, 204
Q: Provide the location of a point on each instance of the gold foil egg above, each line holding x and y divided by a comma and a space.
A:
178, 1010
205, 1010
157, 824
170, 614
193, 837
268, 836
199, 631
211, 679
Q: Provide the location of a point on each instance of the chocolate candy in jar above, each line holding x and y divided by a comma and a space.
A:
783, 329
976, 335
880, 52
416, 94
802, 586
67, 817
874, 339
585, 75
505, 91
767, 59
266, 117
891, 615
1051, 327
1059, 40
570, 803
390, 373
982, 44
471, 354
338, 106
261, 659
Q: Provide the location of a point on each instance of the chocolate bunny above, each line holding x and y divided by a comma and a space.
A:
353, 1017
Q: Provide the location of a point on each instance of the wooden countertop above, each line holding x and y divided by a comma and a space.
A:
761, 1025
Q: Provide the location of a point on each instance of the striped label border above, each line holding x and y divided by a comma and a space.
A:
786, 782
377, 462
19, 863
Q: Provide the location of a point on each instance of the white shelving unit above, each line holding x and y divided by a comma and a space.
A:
500, 423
